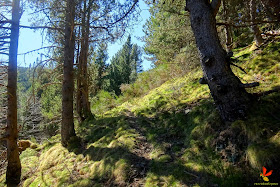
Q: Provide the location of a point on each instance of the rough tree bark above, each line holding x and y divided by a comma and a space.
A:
257, 33
67, 126
83, 104
13, 172
229, 95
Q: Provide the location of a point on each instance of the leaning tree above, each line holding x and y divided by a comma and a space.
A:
228, 92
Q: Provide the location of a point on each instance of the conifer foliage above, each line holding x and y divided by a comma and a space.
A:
124, 66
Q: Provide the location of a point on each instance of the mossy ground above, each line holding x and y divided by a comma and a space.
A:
181, 128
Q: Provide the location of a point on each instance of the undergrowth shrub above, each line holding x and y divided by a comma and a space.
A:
103, 101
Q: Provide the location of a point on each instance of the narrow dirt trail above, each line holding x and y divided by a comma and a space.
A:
142, 163
142, 150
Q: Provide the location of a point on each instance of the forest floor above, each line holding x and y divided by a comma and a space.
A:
142, 150
172, 136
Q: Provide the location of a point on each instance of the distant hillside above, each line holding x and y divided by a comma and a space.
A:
25, 77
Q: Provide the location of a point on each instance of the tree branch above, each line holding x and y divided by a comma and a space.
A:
131, 8
238, 67
4, 37
41, 27
4, 42
275, 89
2, 27
2, 53
249, 85
6, 21
3, 49
38, 50
3, 138
252, 23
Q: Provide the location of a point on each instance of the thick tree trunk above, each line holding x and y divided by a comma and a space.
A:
13, 173
257, 33
83, 105
67, 127
230, 97
80, 65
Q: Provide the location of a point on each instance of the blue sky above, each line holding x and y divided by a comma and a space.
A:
30, 40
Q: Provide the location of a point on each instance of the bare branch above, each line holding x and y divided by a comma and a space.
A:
2, 49
41, 27
6, 21
258, 22
38, 49
250, 85
275, 89
131, 8
49, 84
2, 27
4, 37
238, 67
4, 42
3, 138
2, 53
4, 16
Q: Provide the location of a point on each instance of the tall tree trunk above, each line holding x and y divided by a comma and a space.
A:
83, 105
79, 73
67, 127
13, 173
257, 33
230, 97
229, 39
228, 29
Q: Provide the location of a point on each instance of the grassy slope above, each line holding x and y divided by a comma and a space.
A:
179, 145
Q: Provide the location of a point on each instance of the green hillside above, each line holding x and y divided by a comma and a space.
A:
170, 136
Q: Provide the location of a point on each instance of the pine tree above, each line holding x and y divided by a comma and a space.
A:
100, 62
168, 32
136, 63
124, 66
67, 125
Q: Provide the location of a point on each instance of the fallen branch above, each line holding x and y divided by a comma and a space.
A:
190, 174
